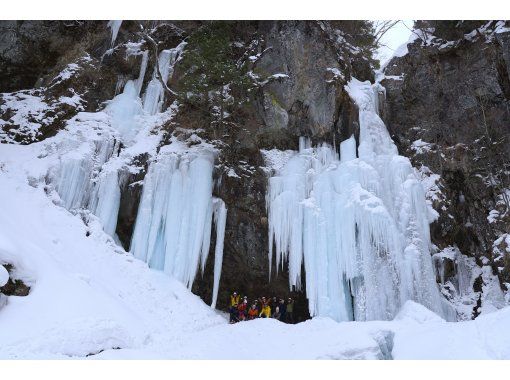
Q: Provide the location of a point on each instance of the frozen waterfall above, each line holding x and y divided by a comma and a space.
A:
87, 177
177, 210
175, 217
359, 225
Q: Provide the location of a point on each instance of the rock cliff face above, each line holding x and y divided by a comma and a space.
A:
305, 98
446, 107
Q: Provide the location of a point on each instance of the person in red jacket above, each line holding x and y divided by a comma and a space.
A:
253, 312
242, 309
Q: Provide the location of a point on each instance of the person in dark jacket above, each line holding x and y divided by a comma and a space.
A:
290, 311
283, 310
234, 314
273, 302
277, 314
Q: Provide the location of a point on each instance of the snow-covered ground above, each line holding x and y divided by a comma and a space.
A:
89, 297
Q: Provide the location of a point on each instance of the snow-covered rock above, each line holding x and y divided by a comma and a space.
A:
4, 276
418, 313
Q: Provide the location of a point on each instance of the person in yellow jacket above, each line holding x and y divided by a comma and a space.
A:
266, 311
234, 299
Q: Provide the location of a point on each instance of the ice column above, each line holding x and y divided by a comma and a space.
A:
77, 168
174, 221
105, 200
220, 220
84, 178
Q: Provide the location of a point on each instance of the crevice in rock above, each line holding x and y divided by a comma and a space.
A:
131, 192
502, 69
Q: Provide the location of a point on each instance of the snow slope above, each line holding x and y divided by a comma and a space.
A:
88, 295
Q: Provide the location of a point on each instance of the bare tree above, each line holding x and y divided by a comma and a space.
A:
421, 33
495, 153
381, 27
145, 34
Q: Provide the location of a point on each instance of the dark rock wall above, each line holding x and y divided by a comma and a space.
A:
33, 57
455, 98
29, 50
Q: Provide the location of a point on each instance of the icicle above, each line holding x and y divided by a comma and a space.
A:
83, 181
105, 201
348, 149
84, 178
220, 219
141, 74
73, 181
114, 25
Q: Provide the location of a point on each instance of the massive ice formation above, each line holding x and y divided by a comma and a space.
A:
173, 226
85, 177
360, 225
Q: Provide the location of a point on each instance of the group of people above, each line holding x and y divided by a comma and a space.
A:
261, 308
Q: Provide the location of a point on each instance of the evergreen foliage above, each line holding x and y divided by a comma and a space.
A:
211, 72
